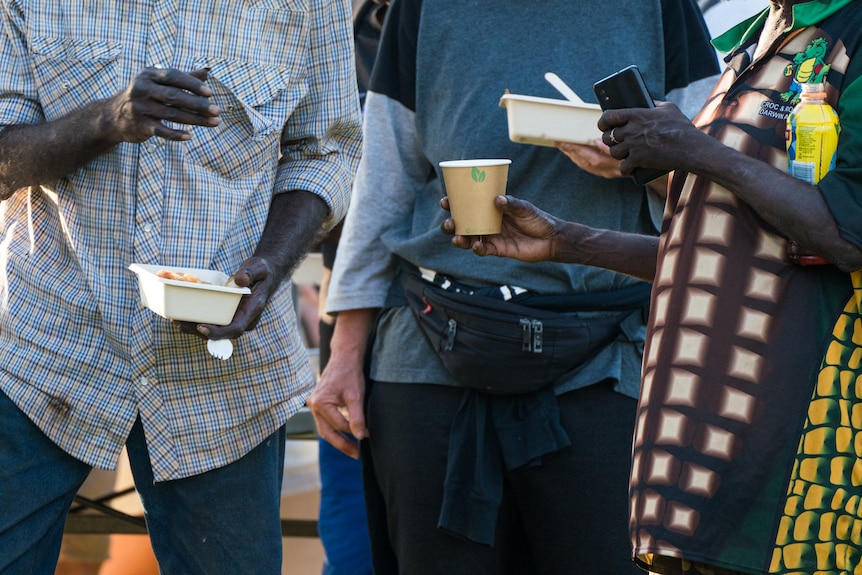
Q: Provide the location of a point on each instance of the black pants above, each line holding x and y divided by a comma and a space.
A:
569, 515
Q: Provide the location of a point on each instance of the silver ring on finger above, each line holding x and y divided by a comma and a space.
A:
612, 137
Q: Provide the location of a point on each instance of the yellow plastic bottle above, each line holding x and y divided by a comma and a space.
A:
812, 135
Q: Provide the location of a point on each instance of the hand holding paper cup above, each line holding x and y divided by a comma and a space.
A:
471, 186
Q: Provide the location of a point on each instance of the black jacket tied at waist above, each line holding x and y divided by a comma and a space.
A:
507, 354
492, 433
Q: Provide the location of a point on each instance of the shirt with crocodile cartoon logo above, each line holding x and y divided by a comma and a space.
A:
748, 449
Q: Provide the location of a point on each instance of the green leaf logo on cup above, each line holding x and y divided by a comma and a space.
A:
471, 186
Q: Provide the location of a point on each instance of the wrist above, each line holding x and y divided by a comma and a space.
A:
567, 243
104, 126
350, 336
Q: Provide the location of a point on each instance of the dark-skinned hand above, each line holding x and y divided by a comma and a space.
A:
157, 95
528, 233
661, 137
255, 273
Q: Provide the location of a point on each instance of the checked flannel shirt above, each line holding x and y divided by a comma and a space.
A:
80, 355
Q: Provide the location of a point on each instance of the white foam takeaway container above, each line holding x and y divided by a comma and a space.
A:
212, 302
543, 121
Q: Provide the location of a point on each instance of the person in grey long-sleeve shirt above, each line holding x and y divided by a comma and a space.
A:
440, 72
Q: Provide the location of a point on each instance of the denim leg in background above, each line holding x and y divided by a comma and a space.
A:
38, 482
342, 523
226, 520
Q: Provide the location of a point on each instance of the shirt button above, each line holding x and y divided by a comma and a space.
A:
148, 227
144, 382
151, 148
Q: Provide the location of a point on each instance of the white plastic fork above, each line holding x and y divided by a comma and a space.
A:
220, 348
563, 88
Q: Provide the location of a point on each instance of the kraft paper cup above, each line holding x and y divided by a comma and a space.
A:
471, 186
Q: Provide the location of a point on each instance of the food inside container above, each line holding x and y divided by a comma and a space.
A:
183, 277
210, 299
544, 121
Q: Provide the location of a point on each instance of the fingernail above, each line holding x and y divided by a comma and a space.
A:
203, 330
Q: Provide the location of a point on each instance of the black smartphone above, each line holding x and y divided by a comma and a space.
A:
627, 89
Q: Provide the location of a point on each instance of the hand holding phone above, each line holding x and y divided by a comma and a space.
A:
627, 89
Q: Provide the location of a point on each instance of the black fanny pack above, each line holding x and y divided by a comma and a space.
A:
500, 347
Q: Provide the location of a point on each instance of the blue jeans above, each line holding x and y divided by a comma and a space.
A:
342, 523
223, 521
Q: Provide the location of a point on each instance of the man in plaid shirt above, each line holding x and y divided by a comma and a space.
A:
210, 134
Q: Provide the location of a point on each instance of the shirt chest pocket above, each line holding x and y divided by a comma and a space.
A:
254, 105
292, 5
72, 72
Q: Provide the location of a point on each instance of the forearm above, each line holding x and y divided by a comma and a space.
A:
38, 153
293, 227
795, 208
352, 329
631, 254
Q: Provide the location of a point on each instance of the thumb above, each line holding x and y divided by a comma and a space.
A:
250, 271
512, 205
